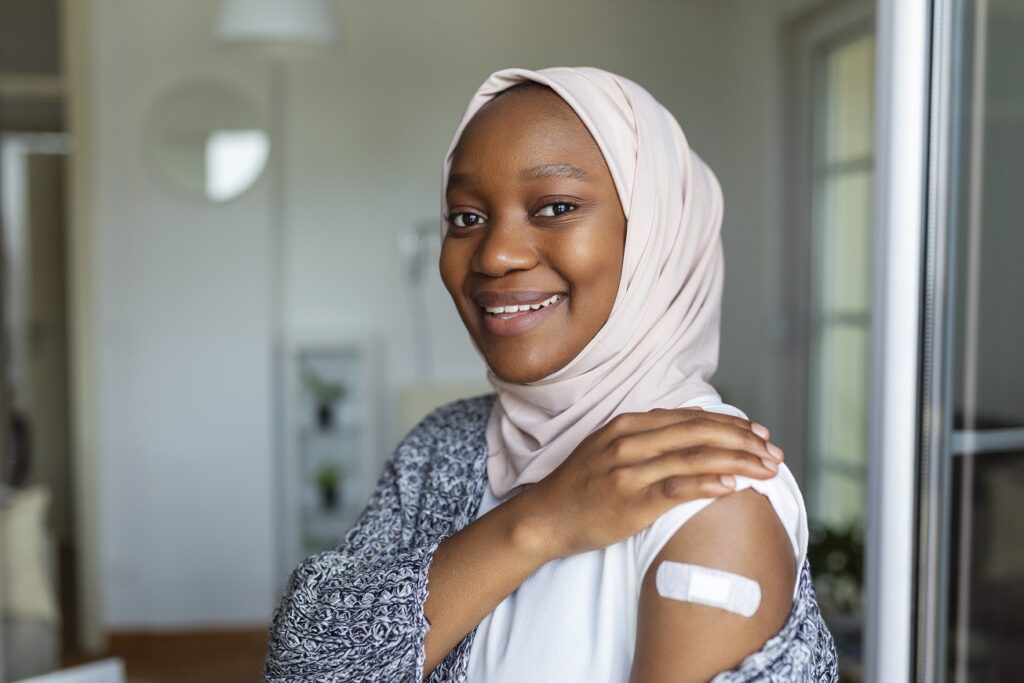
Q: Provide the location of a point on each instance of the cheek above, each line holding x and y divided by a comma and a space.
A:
593, 266
451, 266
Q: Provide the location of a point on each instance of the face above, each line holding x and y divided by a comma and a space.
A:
536, 234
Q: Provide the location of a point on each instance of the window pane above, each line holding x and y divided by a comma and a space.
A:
844, 228
846, 496
841, 402
986, 596
849, 100
990, 369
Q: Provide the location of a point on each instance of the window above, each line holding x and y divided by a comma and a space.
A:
840, 296
829, 277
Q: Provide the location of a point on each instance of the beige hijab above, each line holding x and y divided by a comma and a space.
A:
659, 346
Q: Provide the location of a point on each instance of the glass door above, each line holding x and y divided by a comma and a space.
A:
946, 472
981, 369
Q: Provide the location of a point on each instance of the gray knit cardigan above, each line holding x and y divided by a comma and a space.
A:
355, 613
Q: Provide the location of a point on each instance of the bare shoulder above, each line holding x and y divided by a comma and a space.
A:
685, 641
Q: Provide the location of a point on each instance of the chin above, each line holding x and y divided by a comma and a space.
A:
518, 366
518, 375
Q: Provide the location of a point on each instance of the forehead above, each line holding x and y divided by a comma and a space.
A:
526, 122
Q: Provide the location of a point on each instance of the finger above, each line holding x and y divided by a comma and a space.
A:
625, 424
698, 430
678, 489
742, 422
702, 460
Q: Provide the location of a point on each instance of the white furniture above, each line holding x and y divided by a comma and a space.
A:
29, 614
105, 671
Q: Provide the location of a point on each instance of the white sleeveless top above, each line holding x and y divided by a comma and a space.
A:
574, 619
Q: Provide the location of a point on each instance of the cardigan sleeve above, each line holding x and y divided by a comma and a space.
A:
355, 613
803, 650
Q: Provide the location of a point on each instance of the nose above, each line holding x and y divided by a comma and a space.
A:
505, 246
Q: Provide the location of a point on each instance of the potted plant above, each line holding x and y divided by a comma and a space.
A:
836, 555
325, 394
328, 480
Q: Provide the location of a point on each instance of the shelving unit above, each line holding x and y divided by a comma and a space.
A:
323, 521
331, 455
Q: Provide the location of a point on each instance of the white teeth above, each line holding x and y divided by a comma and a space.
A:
524, 307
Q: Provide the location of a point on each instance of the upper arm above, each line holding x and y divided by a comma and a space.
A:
683, 641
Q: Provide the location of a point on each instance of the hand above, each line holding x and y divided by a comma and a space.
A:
622, 477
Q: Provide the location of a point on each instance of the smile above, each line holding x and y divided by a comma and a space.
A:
516, 318
495, 310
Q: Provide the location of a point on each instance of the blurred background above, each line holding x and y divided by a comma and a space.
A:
221, 307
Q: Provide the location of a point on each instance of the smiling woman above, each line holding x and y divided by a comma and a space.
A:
589, 519
528, 228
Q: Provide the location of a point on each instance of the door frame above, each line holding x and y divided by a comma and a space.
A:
76, 29
903, 43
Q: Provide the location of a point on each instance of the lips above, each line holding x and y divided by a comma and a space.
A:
508, 313
491, 299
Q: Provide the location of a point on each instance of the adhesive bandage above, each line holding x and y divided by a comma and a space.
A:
706, 586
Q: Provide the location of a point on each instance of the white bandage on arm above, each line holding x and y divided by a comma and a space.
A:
707, 586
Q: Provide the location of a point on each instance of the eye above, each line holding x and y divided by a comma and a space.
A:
464, 219
556, 209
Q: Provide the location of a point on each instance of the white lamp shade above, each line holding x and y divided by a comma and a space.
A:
277, 21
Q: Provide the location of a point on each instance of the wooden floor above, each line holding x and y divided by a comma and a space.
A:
193, 656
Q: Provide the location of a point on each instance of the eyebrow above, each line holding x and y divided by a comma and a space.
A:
554, 171
539, 172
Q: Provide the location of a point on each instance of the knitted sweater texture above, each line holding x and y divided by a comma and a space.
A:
355, 613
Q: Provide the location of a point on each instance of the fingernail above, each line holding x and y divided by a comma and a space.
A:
727, 480
760, 430
774, 451
770, 464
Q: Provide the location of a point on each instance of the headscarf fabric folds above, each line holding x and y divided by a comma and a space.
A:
659, 346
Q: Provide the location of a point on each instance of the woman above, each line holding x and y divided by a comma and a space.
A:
553, 530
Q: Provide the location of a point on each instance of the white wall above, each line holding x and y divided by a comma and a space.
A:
182, 368
182, 309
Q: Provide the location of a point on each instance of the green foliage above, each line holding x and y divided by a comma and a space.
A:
324, 391
327, 476
836, 555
